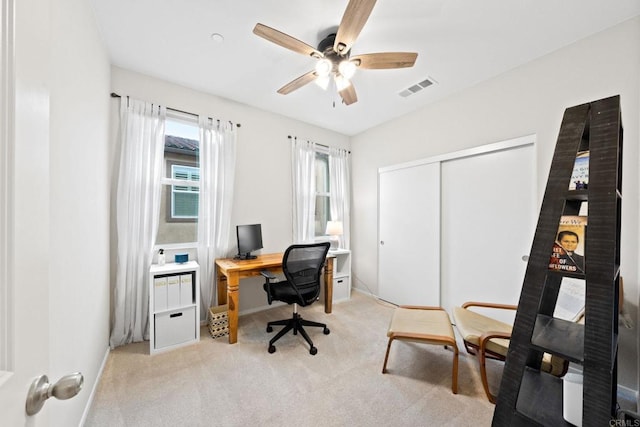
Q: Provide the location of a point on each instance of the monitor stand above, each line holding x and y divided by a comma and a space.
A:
245, 256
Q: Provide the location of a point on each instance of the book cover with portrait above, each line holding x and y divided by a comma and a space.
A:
567, 253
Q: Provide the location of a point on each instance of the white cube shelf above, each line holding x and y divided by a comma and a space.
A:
341, 274
174, 309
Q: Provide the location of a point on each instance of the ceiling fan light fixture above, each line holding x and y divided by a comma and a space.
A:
323, 67
341, 82
347, 68
333, 53
323, 81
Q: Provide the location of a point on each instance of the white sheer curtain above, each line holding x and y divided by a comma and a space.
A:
217, 170
137, 215
339, 185
304, 190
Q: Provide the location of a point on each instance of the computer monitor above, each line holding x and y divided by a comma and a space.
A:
249, 240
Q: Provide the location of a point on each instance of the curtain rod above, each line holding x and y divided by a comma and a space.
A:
321, 145
115, 95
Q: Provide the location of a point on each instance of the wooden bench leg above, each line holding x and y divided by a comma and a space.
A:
386, 356
454, 379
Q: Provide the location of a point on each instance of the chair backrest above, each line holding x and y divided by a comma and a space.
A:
302, 266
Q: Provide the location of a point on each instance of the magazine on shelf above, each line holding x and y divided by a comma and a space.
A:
567, 253
570, 302
580, 174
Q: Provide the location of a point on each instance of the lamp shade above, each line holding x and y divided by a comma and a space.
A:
334, 228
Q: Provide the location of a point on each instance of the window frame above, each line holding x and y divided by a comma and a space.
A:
170, 183
322, 155
167, 183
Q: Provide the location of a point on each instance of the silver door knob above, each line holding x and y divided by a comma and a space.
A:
382, 242
40, 390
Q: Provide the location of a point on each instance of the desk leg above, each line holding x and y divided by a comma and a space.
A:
328, 285
233, 298
221, 285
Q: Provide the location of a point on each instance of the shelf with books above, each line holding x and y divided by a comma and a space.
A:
574, 267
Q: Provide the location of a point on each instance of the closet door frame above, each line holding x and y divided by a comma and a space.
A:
388, 289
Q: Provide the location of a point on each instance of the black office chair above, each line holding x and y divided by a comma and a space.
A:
302, 266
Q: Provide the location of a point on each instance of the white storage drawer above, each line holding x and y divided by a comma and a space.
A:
175, 327
341, 288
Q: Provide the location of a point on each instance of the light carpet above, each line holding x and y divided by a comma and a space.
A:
213, 383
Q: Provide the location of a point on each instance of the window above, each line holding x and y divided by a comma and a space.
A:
323, 205
181, 181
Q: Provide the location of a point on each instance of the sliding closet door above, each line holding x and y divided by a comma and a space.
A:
488, 220
409, 235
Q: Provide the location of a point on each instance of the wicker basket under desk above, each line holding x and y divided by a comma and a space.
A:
218, 321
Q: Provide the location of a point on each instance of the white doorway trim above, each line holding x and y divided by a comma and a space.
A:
482, 149
6, 186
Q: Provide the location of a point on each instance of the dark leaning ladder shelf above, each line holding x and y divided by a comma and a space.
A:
527, 395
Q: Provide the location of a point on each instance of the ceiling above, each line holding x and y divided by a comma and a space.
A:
459, 43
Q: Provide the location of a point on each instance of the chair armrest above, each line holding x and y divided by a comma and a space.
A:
268, 275
489, 305
271, 278
487, 336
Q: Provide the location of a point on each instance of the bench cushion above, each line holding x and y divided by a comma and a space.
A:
424, 326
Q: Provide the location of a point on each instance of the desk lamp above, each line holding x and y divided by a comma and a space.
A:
334, 230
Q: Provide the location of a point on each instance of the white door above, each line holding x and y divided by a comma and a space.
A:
490, 206
409, 235
24, 208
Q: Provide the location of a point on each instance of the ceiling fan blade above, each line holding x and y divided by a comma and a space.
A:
298, 83
348, 95
385, 60
285, 40
354, 18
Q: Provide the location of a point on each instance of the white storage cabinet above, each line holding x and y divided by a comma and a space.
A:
174, 309
341, 274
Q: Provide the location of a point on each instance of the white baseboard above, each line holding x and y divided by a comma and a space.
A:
364, 292
87, 407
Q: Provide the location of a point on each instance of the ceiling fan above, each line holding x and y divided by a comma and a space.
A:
334, 53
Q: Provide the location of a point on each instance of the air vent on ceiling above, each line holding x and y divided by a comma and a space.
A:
416, 87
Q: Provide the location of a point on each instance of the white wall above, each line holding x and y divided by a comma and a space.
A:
263, 167
79, 202
530, 99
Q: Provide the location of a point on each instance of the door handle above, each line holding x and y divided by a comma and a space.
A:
40, 390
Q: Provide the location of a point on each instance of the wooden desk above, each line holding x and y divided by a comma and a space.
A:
229, 271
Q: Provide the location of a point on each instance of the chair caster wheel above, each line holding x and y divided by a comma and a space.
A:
326, 331
272, 349
269, 329
313, 351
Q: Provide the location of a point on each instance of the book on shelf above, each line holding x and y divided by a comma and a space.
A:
567, 253
580, 174
570, 302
